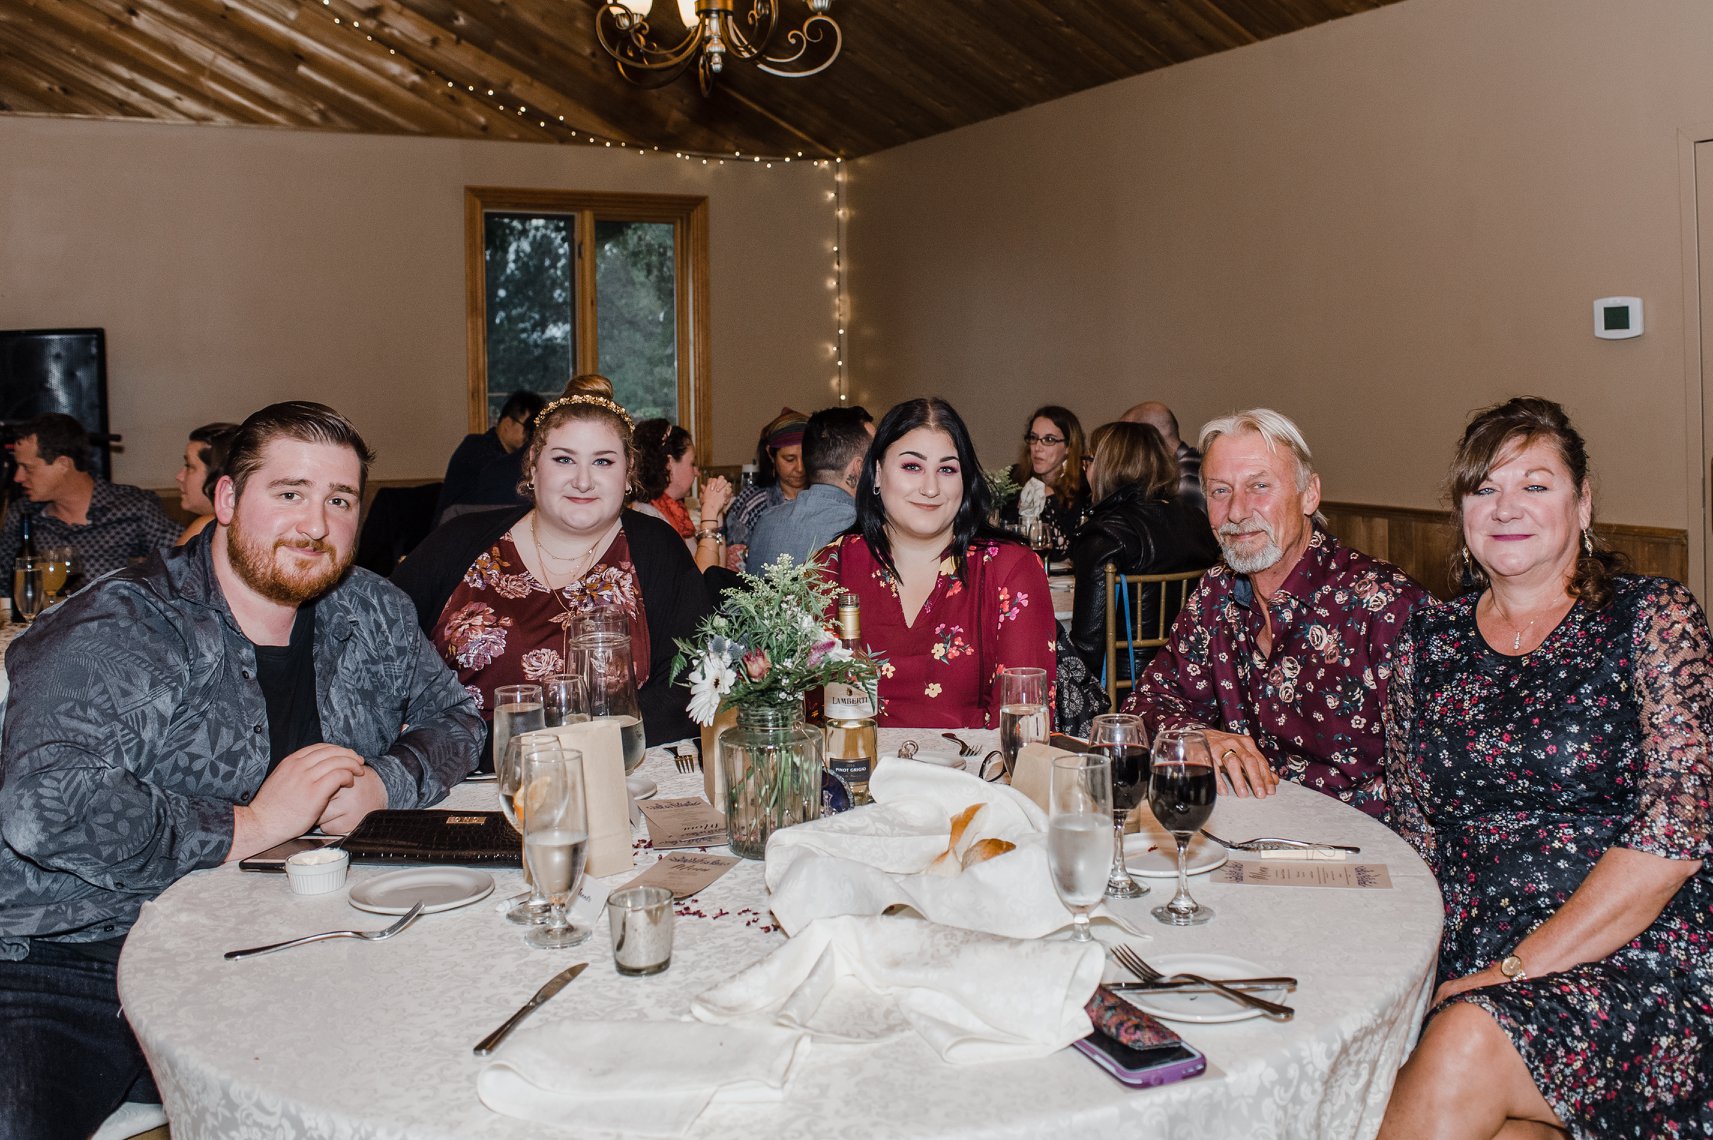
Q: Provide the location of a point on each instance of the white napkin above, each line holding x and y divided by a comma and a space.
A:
650, 1078
1031, 500
870, 858
972, 997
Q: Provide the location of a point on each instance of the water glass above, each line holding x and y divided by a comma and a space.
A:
555, 839
640, 919
610, 684
29, 589
1123, 739
517, 709
1079, 813
1181, 791
564, 699
509, 773
1022, 712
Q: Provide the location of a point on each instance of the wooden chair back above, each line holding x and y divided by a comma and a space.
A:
1147, 626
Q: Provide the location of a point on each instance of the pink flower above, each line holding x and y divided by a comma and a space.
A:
756, 664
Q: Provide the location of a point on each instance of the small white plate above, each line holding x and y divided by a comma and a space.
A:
1203, 1008
437, 888
1152, 854
641, 787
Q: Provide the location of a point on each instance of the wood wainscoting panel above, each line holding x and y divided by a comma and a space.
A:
1421, 542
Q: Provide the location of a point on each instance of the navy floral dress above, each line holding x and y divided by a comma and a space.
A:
1512, 776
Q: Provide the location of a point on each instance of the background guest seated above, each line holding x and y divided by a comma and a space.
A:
497, 590
1049, 473
834, 446
508, 436
204, 463
1547, 754
1161, 418
779, 478
948, 599
1139, 525
666, 473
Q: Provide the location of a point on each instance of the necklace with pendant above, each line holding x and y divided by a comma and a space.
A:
568, 559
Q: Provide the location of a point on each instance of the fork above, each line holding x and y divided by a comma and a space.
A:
1272, 843
686, 761
965, 748
405, 920
1133, 962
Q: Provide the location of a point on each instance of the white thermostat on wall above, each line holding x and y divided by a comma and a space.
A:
1618, 318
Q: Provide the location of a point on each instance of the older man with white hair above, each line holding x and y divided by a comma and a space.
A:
1285, 647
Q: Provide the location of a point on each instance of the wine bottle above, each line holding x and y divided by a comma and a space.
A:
852, 741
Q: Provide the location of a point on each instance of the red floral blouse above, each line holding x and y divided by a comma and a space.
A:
502, 626
939, 671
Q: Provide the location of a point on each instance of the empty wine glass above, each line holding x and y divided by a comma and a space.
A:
1123, 739
1079, 813
1022, 712
510, 778
564, 699
610, 684
1181, 791
555, 839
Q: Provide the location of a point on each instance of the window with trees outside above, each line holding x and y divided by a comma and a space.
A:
560, 282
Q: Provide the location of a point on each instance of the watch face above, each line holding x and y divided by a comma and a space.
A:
1511, 966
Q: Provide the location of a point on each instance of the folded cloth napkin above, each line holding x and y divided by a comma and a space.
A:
972, 997
1031, 500
878, 856
650, 1078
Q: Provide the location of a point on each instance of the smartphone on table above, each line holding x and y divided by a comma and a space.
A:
1142, 1068
274, 858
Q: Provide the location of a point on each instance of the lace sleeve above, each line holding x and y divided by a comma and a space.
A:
1402, 783
1674, 687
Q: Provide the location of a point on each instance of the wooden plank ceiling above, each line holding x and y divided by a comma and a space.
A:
533, 69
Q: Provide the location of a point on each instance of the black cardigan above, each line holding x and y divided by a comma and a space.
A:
674, 597
1138, 535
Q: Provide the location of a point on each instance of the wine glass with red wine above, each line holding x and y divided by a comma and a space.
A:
1123, 739
1181, 791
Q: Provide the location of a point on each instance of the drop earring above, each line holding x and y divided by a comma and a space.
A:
1587, 542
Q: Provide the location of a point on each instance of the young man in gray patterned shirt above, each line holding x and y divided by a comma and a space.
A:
223, 697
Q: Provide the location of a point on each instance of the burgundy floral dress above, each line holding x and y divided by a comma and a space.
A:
939, 670
502, 626
1512, 776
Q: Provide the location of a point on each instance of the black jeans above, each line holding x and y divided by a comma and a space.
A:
69, 1058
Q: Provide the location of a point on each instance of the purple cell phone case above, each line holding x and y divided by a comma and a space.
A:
1173, 1066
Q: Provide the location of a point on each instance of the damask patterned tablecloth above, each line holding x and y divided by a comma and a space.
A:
352, 1039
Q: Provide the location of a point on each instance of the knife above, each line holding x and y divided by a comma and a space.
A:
558, 982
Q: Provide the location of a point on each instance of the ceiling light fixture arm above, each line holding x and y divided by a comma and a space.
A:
714, 31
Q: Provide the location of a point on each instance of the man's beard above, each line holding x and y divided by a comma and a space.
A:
258, 567
1254, 561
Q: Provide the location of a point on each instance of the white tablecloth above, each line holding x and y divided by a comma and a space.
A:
352, 1039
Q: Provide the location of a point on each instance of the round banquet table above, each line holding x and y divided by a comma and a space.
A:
355, 1039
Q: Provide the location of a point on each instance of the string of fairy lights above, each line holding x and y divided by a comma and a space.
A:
477, 88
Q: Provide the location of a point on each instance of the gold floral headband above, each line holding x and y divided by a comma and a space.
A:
589, 400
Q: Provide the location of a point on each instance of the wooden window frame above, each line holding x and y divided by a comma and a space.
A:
689, 218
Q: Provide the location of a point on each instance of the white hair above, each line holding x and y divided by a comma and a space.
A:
1276, 429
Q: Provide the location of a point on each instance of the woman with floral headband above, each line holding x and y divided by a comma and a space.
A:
496, 591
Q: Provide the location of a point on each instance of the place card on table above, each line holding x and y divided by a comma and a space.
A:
684, 872
1358, 876
685, 821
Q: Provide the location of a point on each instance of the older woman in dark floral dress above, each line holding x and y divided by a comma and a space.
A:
1548, 756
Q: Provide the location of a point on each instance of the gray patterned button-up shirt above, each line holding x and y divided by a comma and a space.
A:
135, 724
124, 523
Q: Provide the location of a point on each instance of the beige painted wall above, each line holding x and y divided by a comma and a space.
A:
232, 267
1375, 225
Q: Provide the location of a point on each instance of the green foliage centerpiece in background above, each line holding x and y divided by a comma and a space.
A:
768, 645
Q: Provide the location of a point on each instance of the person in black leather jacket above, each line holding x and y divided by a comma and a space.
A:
1139, 524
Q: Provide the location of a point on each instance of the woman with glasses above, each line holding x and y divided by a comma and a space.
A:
1049, 470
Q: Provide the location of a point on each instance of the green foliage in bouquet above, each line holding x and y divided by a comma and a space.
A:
1003, 486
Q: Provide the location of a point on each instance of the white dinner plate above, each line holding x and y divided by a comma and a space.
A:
437, 888
1153, 854
641, 787
1203, 1008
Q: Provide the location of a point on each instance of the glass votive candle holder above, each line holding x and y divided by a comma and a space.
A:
640, 919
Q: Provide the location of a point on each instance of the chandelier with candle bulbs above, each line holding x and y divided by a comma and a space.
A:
714, 30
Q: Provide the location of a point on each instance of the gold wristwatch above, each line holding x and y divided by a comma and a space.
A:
1512, 967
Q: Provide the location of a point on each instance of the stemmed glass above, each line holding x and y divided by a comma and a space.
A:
1079, 812
1123, 739
1181, 791
564, 699
29, 592
611, 686
510, 771
1022, 712
555, 839
56, 571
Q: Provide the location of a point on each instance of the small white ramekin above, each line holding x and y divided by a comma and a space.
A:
317, 872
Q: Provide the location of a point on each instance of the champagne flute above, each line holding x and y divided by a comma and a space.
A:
555, 839
564, 699
517, 708
1123, 739
509, 771
610, 683
1079, 812
29, 592
1181, 791
1022, 712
